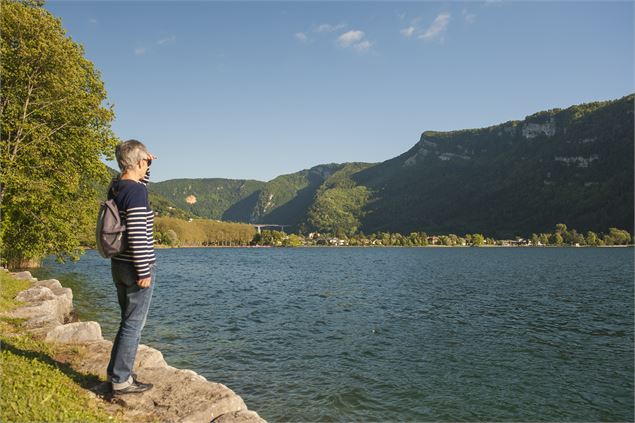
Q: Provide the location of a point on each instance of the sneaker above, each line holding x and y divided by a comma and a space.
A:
135, 388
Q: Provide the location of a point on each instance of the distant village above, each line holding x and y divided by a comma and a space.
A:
562, 236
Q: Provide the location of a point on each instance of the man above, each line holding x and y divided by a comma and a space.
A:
133, 269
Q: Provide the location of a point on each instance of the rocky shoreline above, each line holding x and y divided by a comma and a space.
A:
179, 395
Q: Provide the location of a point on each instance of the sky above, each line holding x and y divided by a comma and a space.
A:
254, 90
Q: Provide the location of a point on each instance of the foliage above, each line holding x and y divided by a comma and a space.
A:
496, 180
54, 130
561, 236
202, 232
338, 205
283, 200
208, 198
269, 237
617, 237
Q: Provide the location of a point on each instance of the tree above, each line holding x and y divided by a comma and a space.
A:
591, 238
292, 240
171, 237
55, 127
617, 237
478, 239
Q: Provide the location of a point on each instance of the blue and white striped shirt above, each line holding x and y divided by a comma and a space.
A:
135, 211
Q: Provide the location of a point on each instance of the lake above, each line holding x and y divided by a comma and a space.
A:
376, 334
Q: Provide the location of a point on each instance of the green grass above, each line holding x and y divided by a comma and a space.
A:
36, 383
9, 288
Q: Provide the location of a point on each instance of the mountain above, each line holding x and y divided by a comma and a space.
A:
208, 198
572, 166
283, 200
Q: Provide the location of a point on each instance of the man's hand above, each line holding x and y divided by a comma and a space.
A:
144, 283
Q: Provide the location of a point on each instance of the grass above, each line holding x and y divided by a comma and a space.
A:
36, 382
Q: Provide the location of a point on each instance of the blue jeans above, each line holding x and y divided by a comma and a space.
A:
134, 303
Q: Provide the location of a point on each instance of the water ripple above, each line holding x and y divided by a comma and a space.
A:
393, 334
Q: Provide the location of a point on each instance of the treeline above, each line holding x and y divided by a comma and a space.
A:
561, 236
174, 232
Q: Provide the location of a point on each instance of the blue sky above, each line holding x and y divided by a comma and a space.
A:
253, 90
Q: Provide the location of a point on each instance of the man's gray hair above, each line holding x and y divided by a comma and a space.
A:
129, 153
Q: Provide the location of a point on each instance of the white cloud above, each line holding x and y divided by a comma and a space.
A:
329, 27
300, 36
167, 40
437, 28
469, 17
354, 40
363, 46
408, 32
139, 51
349, 38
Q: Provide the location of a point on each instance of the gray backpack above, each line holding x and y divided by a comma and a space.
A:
111, 232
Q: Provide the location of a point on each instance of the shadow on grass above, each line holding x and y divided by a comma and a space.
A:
90, 382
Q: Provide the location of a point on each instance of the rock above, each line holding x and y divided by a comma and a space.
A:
24, 276
41, 325
49, 283
241, 416
35, 294
99, 353
148, 357
181, 396
42, 301
66, 292
75, 333
57, 308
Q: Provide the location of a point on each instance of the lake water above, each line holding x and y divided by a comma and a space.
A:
376, 334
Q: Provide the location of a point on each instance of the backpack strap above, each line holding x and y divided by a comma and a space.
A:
113, 188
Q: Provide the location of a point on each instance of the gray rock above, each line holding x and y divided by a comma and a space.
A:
99, 355
241, 416
182, 396
24, 276
58, 308
66, 292
148, 357
35, 294
75, 333
49, 283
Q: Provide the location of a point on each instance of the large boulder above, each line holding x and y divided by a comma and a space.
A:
148, 357
183, 396
240, 416
35, 294
58, 308
75, 333
24, 276
49, 283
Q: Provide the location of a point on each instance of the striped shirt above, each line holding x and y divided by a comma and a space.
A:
135, 212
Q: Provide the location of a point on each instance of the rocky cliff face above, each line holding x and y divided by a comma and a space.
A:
178, 395
572, 166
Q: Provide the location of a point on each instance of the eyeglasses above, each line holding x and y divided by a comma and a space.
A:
149, 161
